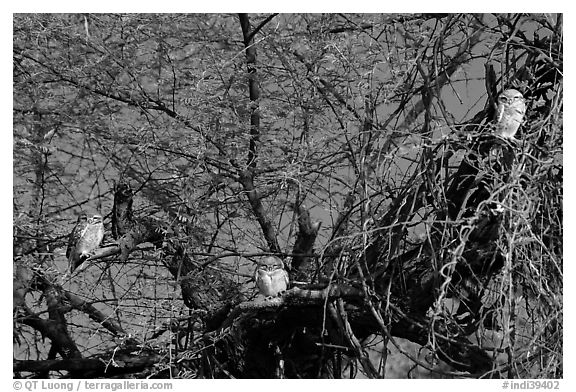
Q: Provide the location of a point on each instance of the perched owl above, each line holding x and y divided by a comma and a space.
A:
509, 113
85, 237
81, 225
122, 216
271, 277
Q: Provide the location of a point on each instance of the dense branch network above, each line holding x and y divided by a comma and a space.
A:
365, 282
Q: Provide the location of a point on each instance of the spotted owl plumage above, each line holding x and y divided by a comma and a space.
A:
84, 239
271, 277
509, 113
76, 234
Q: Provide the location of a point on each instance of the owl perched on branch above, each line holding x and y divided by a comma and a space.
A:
84, 238
509, 113
271, 277
122, 215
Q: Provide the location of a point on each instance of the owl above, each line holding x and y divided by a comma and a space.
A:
271, 277
84, 238
81, 225
509, 113
122, 216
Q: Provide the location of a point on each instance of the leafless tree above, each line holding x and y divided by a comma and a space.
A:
358, 148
